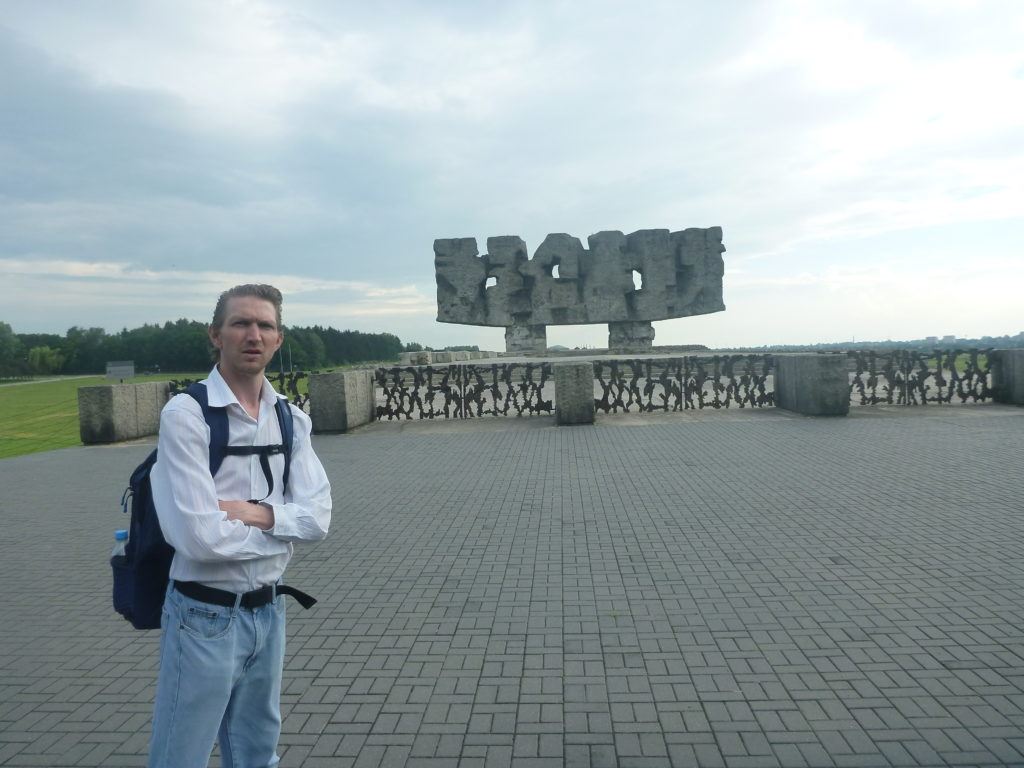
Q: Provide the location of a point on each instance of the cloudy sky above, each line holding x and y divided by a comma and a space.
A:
865, 159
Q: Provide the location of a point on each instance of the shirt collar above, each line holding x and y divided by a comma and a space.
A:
219, 394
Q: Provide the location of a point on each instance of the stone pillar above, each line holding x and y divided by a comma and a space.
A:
526, 340
110, 413
1008, 376
341, 400
814, 385
574, 393
443, 358
630, 336
150, 399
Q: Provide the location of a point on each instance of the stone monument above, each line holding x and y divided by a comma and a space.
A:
623, 280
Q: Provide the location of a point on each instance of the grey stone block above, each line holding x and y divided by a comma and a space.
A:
95, 415
406, 359
1008, 376
341, 400
107, 413
150, 398
814, 385
110, 413
574, 393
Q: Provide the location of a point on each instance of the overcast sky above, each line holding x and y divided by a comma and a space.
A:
865, 159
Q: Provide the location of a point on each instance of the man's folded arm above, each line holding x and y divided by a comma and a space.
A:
306, 513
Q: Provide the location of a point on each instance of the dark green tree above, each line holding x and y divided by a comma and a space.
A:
45, 360
85, 350
11, 363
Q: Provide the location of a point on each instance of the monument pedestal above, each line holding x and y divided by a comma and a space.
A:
630, 336
526, 340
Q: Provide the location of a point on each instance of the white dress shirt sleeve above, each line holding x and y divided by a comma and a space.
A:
306, 513
186, 498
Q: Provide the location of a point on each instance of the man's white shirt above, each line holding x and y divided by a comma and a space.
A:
209, 548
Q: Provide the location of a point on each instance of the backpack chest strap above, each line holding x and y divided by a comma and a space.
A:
217, 419
264, 452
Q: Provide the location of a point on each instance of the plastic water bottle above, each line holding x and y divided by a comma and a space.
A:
120, 542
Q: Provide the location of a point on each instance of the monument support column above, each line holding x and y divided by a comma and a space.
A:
526, 340
814, 385
630, 336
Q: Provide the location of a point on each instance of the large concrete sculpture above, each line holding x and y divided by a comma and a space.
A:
623, 280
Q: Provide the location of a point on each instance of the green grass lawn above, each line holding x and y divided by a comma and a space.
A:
43, 415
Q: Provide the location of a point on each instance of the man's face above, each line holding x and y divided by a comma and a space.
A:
249, 336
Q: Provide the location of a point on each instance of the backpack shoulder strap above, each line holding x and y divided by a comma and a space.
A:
287, 422
217, 420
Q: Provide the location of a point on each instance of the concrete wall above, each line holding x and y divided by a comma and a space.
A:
574, 393
1008, 376
406, 359
341, 401
110, 413
814, 385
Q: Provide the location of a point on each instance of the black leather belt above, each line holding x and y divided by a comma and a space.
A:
255, 599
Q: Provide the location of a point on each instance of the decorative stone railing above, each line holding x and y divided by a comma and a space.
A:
683, 383
911, 377
464, 391
812, 384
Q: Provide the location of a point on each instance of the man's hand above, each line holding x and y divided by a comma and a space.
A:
257, 515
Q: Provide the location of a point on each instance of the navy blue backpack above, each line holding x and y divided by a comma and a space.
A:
141, 574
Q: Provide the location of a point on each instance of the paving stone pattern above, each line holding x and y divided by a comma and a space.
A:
712, 589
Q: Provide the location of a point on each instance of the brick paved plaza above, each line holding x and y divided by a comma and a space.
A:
735, 588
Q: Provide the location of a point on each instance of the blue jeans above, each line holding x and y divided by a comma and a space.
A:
220, 680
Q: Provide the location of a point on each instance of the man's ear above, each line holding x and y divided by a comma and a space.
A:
280, 339
214, 334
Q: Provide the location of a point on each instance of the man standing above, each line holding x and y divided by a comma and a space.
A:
223, 624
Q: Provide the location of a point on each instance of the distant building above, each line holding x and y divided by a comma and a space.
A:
933, 340
949, 339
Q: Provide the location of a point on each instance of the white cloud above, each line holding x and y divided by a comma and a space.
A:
161, 152
248, 67
113, 291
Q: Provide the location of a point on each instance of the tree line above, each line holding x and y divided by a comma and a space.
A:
920, 345
178, 346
